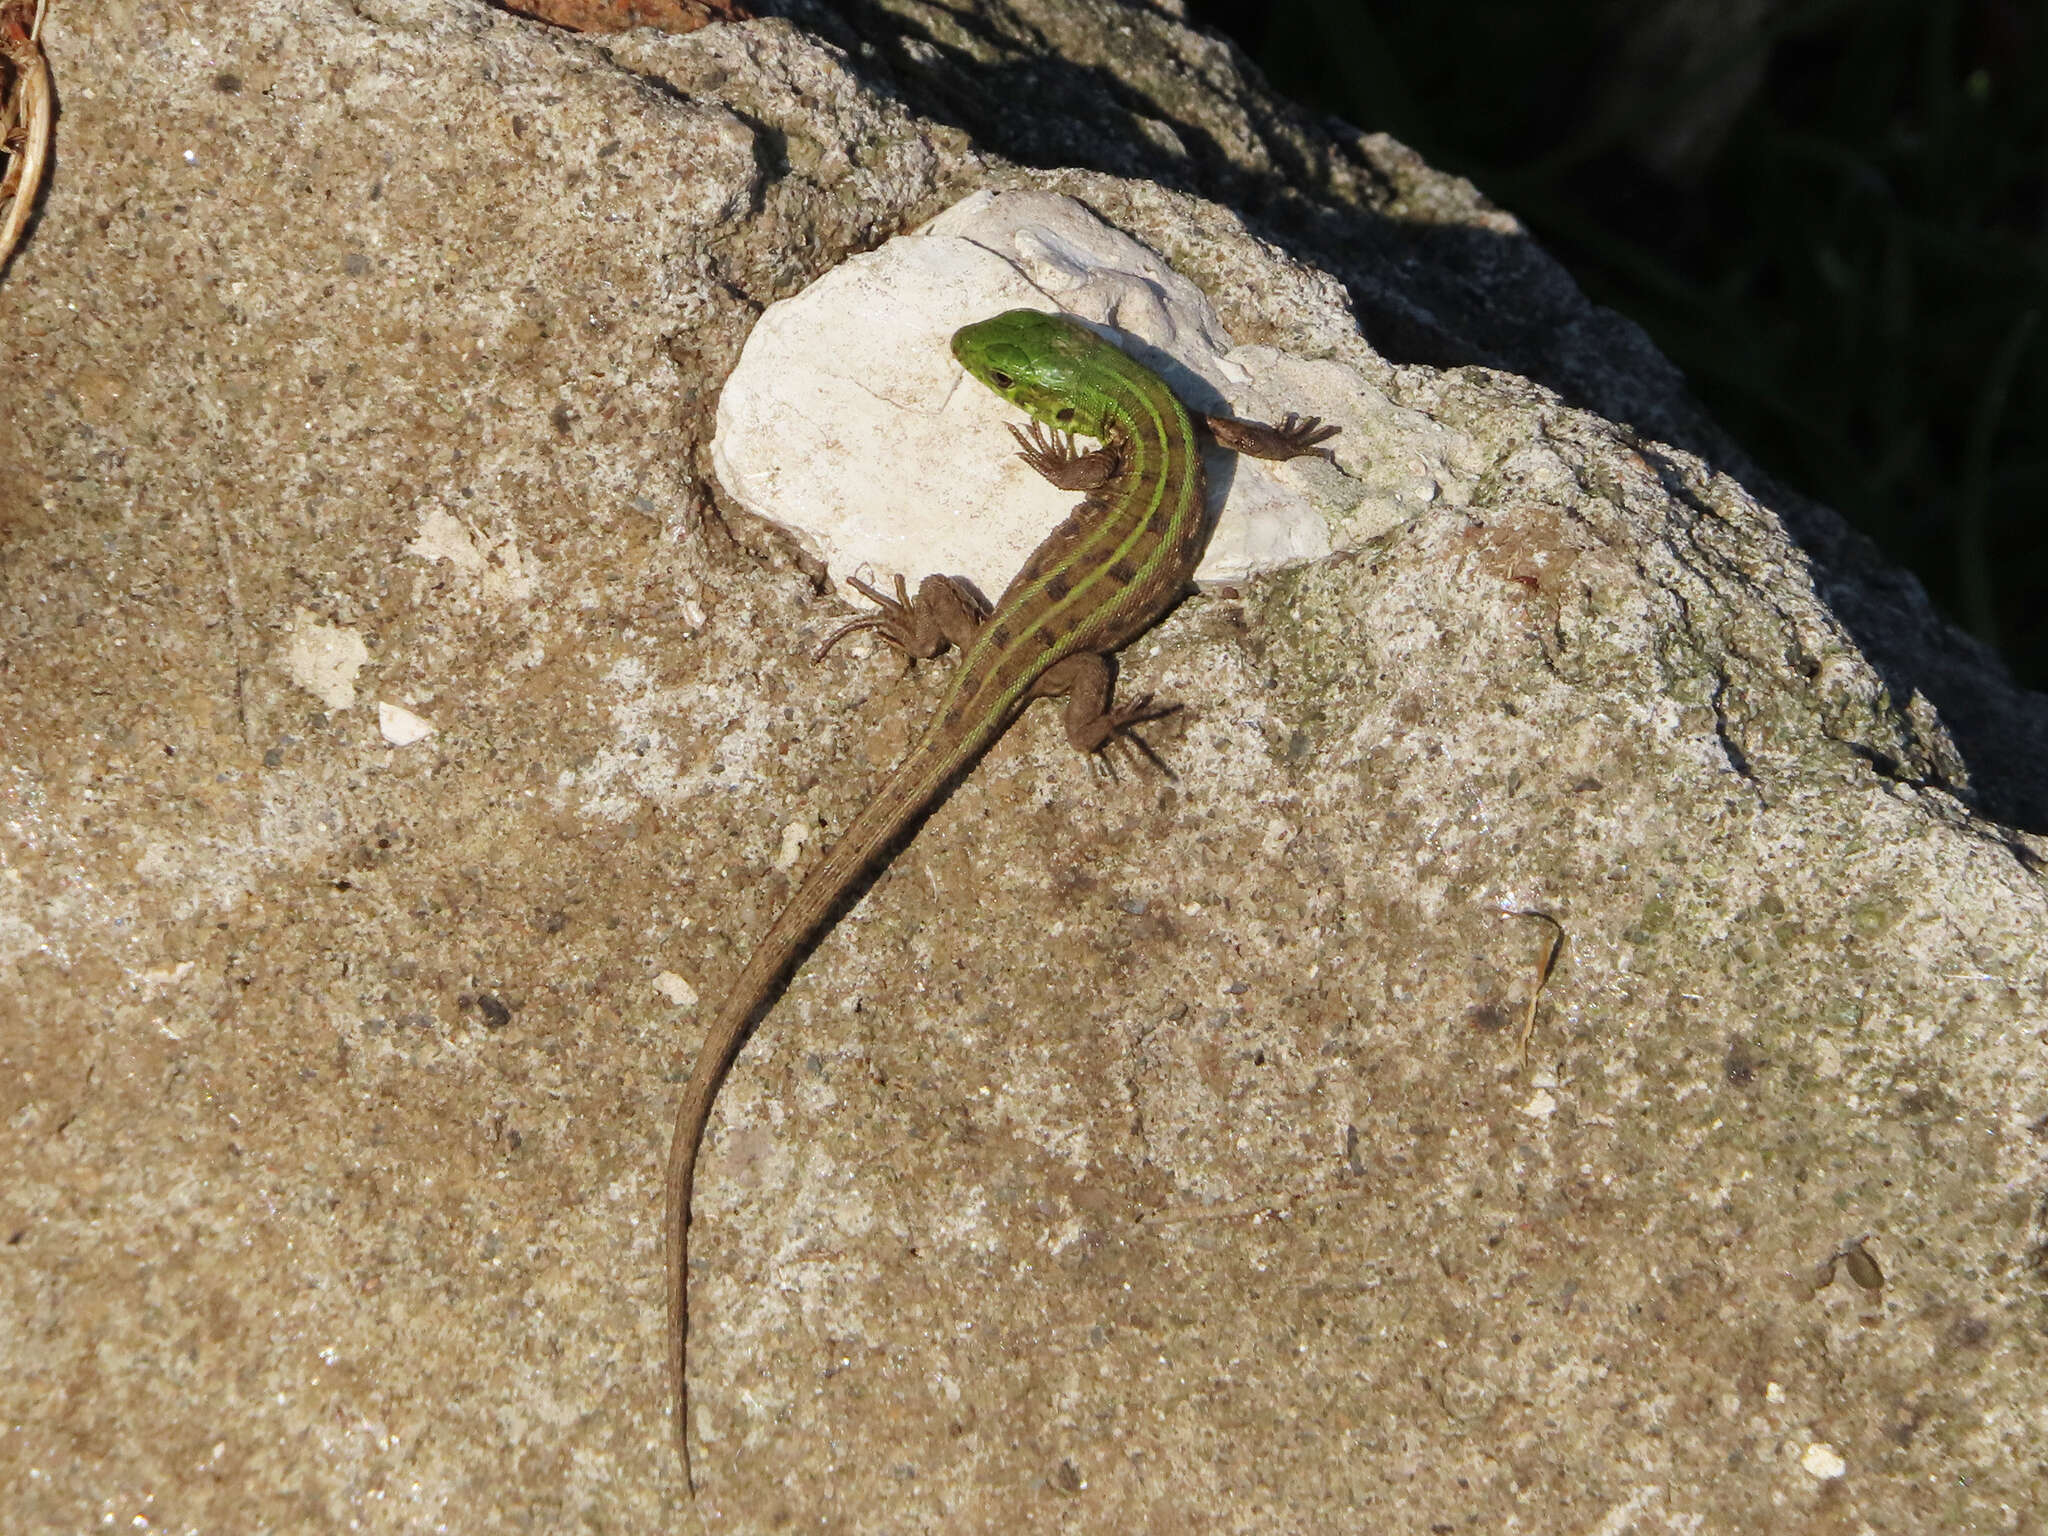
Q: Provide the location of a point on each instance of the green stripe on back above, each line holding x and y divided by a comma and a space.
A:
1049, 365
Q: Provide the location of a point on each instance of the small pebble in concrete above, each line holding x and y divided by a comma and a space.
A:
1821, 1461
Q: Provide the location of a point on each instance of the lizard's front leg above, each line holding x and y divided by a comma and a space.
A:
1294, 438
944, 613
1056, 456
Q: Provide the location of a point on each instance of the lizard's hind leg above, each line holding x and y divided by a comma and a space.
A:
944, 613
1091, 724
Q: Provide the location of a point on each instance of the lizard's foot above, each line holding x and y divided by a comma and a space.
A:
895, 621
1113, 726
1054, 456
1120, 740
1296, 437
945, 613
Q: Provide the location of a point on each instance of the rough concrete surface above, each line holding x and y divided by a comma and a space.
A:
1156, 1154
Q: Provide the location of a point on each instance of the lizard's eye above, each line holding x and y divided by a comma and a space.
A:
1064, 415
1000, 379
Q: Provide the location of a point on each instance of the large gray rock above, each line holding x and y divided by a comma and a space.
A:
1141, 1155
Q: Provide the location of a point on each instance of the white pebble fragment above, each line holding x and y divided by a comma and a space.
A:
794, 836
401, 727
441, 537
848, 422
324, 659
1821, 1461
676, 990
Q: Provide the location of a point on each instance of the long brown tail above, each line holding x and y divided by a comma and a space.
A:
903, 797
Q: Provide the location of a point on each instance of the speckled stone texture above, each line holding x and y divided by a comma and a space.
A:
1148, 1155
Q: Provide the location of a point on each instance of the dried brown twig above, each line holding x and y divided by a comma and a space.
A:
26, 112
1553, 941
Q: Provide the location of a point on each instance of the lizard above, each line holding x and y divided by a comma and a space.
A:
1123, 557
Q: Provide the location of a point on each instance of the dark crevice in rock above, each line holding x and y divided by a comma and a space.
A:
1429, 289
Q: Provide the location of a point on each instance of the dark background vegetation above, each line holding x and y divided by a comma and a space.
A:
1833, 215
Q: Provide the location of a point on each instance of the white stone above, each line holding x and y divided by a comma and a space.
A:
676, 990
401, 727
324, 659
503, 574
794, 836
848, 422
441, 537
1822, 1462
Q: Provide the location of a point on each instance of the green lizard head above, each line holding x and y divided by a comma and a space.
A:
1052, 366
